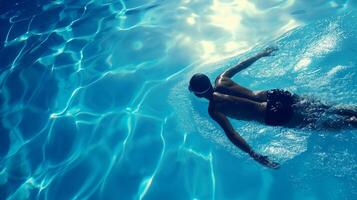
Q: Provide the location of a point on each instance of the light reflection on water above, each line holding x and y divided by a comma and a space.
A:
221, 29
94, 102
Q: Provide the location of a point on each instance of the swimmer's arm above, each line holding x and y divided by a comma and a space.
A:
232, 135
238, 141
246, 63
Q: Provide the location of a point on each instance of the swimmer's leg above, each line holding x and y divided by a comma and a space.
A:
345, 111
339, 123
349, 115
308, 113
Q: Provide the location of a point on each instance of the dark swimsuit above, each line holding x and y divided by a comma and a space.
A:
279, 107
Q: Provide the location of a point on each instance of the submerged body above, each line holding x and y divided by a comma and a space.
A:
238, 102
272, 107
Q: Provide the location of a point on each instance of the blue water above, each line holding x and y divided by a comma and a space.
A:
94, 100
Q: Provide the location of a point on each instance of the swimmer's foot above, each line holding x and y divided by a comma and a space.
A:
352, 121
348, 112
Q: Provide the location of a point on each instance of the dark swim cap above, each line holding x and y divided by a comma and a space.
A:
199, 83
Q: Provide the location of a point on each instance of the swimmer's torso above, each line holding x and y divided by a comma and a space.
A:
237, 102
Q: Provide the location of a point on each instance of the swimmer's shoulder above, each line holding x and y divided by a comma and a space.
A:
221, 82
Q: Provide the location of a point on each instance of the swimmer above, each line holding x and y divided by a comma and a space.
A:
275, 107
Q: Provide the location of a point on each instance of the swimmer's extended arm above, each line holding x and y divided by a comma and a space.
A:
243, 65
238, 141
232, 135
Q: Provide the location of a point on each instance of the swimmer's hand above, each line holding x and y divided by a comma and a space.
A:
268, 51
264, 160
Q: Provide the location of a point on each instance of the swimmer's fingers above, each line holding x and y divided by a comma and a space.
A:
269, 51
273, 165
264, 160
272, 49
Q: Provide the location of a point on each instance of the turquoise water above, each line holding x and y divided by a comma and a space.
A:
94, 100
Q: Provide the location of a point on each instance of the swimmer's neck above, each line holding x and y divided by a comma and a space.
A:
209, 95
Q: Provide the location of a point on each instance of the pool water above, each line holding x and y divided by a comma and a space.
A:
94, 99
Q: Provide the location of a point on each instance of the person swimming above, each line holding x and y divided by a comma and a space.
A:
274, 107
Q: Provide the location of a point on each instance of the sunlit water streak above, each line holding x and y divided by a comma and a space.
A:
94, 100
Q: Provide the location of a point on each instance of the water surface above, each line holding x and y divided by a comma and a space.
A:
94, 100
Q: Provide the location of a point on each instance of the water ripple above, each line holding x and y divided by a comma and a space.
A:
94, 102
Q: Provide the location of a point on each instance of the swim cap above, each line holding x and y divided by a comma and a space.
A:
199, 84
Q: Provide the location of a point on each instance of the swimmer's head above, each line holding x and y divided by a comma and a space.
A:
200, 85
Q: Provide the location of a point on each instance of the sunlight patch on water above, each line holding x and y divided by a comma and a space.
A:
324, 45
97, 90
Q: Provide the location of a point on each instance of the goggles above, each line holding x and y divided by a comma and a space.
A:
199, 93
